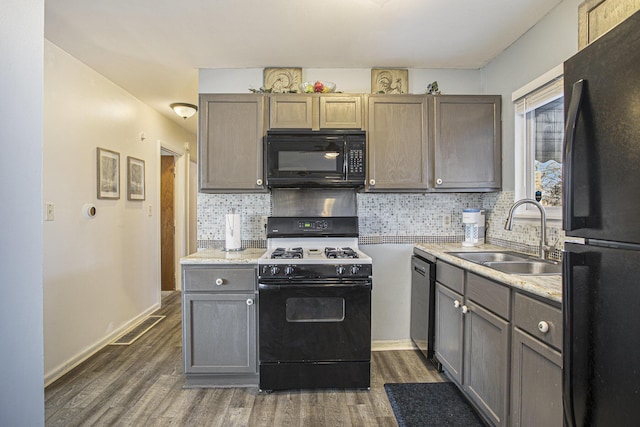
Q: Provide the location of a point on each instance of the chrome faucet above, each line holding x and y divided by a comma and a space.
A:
544, 247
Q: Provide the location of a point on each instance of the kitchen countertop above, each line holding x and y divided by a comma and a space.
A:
218, 256
548, 287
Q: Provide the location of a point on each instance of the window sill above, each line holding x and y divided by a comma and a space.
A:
533, 218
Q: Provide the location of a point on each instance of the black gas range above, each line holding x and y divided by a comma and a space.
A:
314, 286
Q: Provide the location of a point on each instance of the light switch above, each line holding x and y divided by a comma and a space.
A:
48, 211
149, 210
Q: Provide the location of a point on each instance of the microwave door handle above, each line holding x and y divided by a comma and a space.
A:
571, 222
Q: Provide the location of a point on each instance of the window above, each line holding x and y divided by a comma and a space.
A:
539, 135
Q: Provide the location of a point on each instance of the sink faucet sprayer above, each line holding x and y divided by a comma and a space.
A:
544, 247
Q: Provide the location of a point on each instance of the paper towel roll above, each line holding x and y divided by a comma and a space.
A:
233, 232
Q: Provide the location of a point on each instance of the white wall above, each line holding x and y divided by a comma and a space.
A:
349, 80
549, 43
21, 351
100, 274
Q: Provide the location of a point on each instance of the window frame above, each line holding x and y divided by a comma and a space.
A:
551, 82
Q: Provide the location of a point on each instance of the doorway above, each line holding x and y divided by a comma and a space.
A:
167, 223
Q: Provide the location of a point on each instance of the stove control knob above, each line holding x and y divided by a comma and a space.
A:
274, 269
354, 269
340, 270
288, 270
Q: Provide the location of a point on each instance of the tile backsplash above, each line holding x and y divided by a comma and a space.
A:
384, 218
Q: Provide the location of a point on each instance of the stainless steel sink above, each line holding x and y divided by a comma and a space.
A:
526, 267
484, 257
511, 262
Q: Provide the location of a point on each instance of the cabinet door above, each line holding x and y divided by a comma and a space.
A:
536, 394
232, 128
340, 112
219, 333
467, 143
596, 17
292, 111
449, 331
398, 138
486, 356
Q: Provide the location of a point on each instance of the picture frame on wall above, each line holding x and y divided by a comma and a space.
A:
282, 80
135, 179
390, 81
108, 174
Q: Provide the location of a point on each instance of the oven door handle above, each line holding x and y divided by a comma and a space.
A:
315, 284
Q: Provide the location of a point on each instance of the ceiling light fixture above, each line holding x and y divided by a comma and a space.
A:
184, 110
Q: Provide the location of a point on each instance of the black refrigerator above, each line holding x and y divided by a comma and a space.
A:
601, 207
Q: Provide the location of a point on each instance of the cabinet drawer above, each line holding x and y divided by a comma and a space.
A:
219, 279
490, 295
450, 276
529, 312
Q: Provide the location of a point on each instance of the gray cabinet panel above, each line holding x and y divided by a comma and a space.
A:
397, 134
536, 389
219, 279
491, 295
231, 130
450, 276
219, 333
529, 312
449, 331
486, 356
467, 149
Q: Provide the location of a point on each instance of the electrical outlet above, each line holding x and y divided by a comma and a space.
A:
446, 221
48, 211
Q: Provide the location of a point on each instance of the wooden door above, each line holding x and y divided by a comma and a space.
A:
167, 224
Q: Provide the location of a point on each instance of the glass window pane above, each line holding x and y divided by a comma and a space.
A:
547, 151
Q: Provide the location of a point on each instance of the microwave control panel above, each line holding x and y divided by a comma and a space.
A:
356, 161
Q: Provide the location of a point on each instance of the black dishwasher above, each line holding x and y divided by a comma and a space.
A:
423, 286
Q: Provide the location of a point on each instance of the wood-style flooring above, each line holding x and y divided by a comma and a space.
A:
142, 385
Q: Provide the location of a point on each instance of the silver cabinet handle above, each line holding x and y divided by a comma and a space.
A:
465, 309
250, 302
439, 181
372, 182
456, 303
543, 327
219, 281
258, 181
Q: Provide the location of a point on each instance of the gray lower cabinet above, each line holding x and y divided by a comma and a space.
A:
219, 326
502, 347
473, 338
536, 364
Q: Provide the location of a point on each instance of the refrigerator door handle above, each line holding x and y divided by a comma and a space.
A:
569, 221
569, 261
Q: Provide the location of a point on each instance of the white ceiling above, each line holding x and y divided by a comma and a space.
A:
154, 48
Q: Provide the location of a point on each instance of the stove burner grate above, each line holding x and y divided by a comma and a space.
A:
282, 253
347, 252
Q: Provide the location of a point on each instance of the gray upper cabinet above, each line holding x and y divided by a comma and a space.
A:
231, 131
315, 111
466, 146
397, 132
596, 17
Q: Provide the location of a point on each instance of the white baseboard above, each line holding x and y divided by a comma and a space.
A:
388, 345
67, 366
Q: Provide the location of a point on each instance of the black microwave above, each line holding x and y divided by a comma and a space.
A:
331, 158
